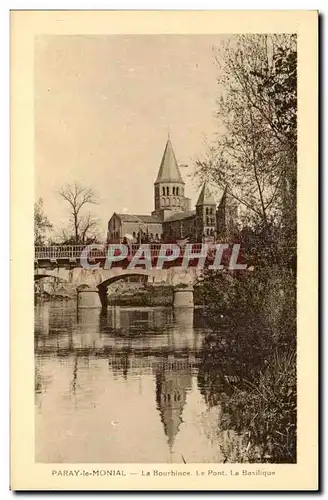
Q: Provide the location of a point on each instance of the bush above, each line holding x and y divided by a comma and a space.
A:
264, 413
253, 314
265, 297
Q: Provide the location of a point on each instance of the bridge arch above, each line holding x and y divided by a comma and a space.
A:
124, 273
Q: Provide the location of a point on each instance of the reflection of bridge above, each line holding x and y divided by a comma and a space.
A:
152, 330
156, 342
126, 361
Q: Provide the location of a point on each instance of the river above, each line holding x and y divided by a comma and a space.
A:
125, 386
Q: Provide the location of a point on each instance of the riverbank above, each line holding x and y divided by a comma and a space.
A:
260, 309
146, 295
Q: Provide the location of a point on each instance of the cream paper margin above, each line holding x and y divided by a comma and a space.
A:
25, 25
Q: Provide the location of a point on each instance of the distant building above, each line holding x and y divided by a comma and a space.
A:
140, 227
172, 218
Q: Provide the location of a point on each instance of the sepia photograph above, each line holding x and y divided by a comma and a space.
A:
168, 195
164, 159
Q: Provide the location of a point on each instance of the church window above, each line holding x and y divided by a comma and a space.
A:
173, 201
211, 211
173, 190
151, 236
207, 232
156, 236
134, 234
207, 221
163, 190
163, 201
167, 201
206, 211
177, 191
167, 191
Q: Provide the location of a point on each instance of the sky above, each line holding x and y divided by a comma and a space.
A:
103, 108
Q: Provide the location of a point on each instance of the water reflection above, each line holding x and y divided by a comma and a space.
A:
126, 385
171, 396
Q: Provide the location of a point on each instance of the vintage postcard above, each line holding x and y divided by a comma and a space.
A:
164, 250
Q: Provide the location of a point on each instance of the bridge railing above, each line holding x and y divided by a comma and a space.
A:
75, 251
58, 252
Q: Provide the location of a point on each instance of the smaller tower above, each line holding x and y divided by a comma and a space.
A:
227, 217
205, 214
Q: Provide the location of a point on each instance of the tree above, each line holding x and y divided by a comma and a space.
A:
42, 225
83, 227
254, 154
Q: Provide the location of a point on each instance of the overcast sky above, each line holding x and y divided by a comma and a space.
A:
103, 108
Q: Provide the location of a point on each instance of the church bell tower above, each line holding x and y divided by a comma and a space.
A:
169, 187
205, 214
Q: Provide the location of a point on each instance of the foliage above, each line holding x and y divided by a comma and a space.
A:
254, 154
265, 296
258, 310
264, 413
83, 227
42, 225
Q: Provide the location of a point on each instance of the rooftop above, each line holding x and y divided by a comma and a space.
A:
169, 170
147, 219
205, 197
181, 216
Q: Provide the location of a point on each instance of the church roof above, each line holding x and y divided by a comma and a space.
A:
148, 219
169, 170
205, 197
223, 199
180, 216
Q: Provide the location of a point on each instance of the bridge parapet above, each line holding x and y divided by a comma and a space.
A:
67, 252
52, 262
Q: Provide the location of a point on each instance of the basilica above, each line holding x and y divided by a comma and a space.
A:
172, 218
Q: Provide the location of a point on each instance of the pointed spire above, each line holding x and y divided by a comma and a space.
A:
205, 197
169, 170
224, 198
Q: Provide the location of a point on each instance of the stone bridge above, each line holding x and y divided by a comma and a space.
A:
91, 284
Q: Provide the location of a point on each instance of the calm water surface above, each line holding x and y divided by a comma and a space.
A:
124, 386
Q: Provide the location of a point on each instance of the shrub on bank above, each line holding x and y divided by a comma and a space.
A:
265, 296
258, 310
264, 413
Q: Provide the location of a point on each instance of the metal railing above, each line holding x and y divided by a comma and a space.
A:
75, 251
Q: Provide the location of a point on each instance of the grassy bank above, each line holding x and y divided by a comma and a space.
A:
260, 351
264, 413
